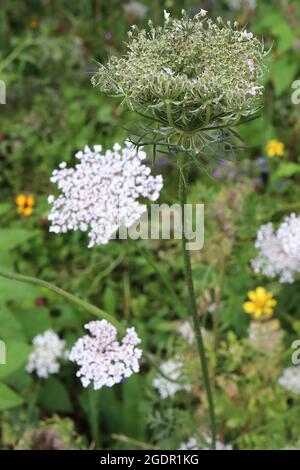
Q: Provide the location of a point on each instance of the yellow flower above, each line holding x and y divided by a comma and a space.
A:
25, 204
261, 304
275, 148
33, 23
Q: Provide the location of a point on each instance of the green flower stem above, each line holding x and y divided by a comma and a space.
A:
169, 114
32, 401
16, 52
192, 302
89, 308
93, 405
79, 303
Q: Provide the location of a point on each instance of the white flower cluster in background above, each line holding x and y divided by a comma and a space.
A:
103, 360
172, 369
194, 444
187, 332
135, 10
101, 193
290, 379
279, 251
44, 359
266, 337
238, 4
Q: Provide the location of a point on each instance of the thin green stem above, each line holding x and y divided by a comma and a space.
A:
15, 53
94, 416
183, 180
32, 412
92, 309
169, 114
76, 301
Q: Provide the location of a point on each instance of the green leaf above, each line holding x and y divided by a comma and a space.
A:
68, 318
286, 170
283, 74
110, 300
16, 356
54, 396
285, 35
104, 115
10, 238
11, 329
12, 290
134, 405
34, 320
7, 261
4, 207
8, 398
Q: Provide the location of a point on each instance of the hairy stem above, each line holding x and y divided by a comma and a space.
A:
92, 309
78, 302
192, 302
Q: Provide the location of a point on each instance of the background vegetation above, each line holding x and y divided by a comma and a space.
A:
48, 52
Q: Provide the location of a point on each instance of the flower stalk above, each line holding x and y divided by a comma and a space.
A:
183, 182
89, 308
94, 416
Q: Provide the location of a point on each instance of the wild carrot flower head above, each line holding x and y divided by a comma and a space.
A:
260, 304
279, 250
25, 204
103, 360
188, 74
48, 349
101, 192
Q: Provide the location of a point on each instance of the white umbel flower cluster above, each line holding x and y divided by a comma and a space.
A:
44, 359
279, 251
101, 193
194, 444
102, 359
172, 369
290, 379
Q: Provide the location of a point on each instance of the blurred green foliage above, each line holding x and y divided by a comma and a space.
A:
48, 51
